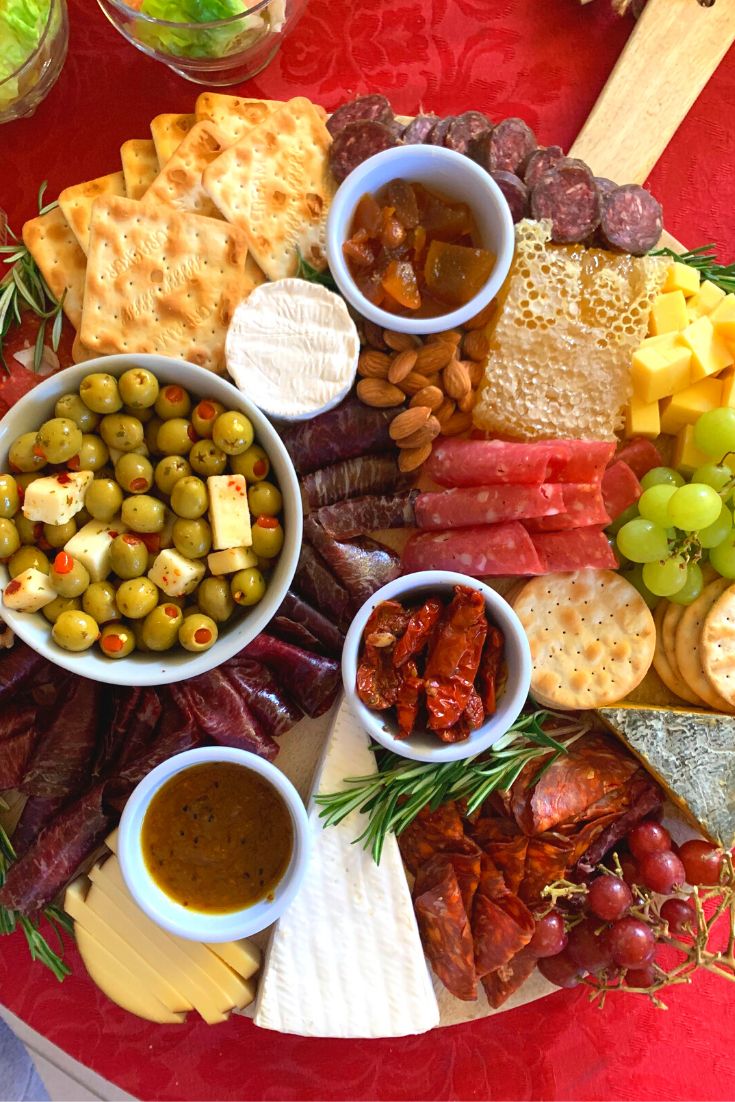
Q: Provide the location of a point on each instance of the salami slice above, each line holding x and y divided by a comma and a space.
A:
355, 143
486, 463
484, 549
583, 506
501, 927
579, 549
440, 130
372, 108
506, 148
445, 929
640, 455
465, 129
630, 219
352, 518
566, 194
577, 460
540, 161
504, 981
620, 488
604, 185
431, 832
462, 507
514, 191
350, 430
417, 131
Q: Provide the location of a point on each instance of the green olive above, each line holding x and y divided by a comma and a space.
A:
173, 401
247, 586
206, 458
56, 535
82, 518
203, 416
143, 513
138, 388
68, 576
25, 558
59, 439
54, 609
103, 499
136, 626
134, 473
117, 640
75, 631
136, 597
215, 599
175, 437
253, 463
128, 556
191, 610
232, 432
29, 531
99, 602
9, 538
24, 455
198, 632
189, 498
161, 627
267, 536
265, 499
92, 455
169, 470
72, 406
143, 415
150, 435
100, 392
118, 430
9, 496
192, 538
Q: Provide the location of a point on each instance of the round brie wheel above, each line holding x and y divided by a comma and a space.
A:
292, 348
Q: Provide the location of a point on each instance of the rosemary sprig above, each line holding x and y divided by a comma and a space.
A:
704, 259
394, 795
23, 287
313, 275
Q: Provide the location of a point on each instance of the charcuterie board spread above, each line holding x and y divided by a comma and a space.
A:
509, 419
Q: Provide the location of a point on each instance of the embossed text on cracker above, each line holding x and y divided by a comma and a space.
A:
156, 239
177, 277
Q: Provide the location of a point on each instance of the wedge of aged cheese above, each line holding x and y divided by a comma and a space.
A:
229, 514
29, 591
175, 574
55, 499
345, 959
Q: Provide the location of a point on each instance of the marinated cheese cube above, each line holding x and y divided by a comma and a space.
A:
723, 318
642, 419
661, 366
706, 299
91, 546
175, 574
229, 514
710, 353
685, 407
681, 277
231, 560
29, 591
668, 313
687, 456
56, 498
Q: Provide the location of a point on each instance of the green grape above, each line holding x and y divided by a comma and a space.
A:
658, 476
710, 474
714, 432
692, 586
627, 514
653, 503
666, 576
635, 577
641, 540
622, 559
694, 506
715, 533
722, 557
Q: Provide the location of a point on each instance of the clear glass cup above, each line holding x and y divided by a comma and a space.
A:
217, 54
22, 91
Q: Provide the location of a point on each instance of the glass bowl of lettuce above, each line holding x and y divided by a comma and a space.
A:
34, 37
213, 42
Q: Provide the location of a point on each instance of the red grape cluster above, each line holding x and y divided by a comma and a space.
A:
611, 940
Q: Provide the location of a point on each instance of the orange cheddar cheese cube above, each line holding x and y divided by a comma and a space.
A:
661, 366
723, 318
685, 407
668, 313
727, 381
681, 277
687, 456
642, 419
710, 352
706, 299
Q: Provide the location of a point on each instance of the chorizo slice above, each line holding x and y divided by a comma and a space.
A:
445, 929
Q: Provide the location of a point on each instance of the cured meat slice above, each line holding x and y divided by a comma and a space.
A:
15, 754
462, 507
504, 981
501, 927
350, 430
355, 143
620, 488
140, 730
630, 219
577, 460
219, 710
366, 514
510, 858
362, 566
646, 798
374, 108
176, 732
579, 549
465, 129
640, 455
440, 130
456, 462
583, 506
37, 813
514, 192
481, 550
366, 474
506, 148
16, 719
431, 832
19, 666
567, 195
605, 185
313, 681
67, 736
539, 162
263, 696
301, 613
445, 929
319, 586
417, 131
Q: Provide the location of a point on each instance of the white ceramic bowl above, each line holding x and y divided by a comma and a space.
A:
455, 176
197, 925
175, 665
423, 745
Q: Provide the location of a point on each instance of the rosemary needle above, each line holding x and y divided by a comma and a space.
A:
704, 259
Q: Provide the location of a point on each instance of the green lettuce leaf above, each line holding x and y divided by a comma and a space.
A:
21, 26
213, 42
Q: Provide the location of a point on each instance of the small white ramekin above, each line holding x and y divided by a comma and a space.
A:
183, 921
452, 174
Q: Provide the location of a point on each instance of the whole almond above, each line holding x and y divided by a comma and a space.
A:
373, 364
410, 459
467, 403
456, 379
424, 435
450, 336
475, 345
445, 410
457, 423
430, 396
399, 342
476, 372
402, 365
414, 382
373, 334
433, 357
407, 422
379, 393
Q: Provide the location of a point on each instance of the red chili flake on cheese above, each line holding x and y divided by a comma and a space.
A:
192, 434
112, 643
63, 563
171, 610
267, 522
74, 463
260, 467
174, 393
131, 538
206, 411
231, 482
165, 579
12, 587
63, 479
202, 635
139, 484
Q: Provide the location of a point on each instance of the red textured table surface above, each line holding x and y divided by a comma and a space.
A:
545, 60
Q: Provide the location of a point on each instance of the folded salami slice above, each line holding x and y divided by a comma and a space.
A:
579, 549
352, 518
501, 927
483, 549
504, 981
366, 474
620, 488
577, 460
465, 506
640, 455
583, 506
350, 430
456, 462
445, 929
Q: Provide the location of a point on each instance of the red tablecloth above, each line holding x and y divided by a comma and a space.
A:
545, 60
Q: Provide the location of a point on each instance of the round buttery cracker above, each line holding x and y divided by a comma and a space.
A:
666, 618
591, 636
688, 645
717, 645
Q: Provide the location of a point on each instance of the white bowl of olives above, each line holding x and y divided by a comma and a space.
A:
150, 520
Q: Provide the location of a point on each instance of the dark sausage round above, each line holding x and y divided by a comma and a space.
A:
567, 195
506, 148
440, 130
630, 220
540, 161
515, 193
374, 108
355, 142
417, 131
465, 129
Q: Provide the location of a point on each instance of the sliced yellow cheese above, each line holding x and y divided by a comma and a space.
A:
723, 318
685, 407
706, 299
642, 419
687, 456
124, 987
710, 353
661, 366
242, 956
668, 313
681, 277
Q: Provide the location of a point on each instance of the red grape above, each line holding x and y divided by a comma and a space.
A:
662, 872
648, 837
640, 977
561, 970
702, 861
549, 937
609, 897
680, 914
587, 948
630, 870
631, 942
